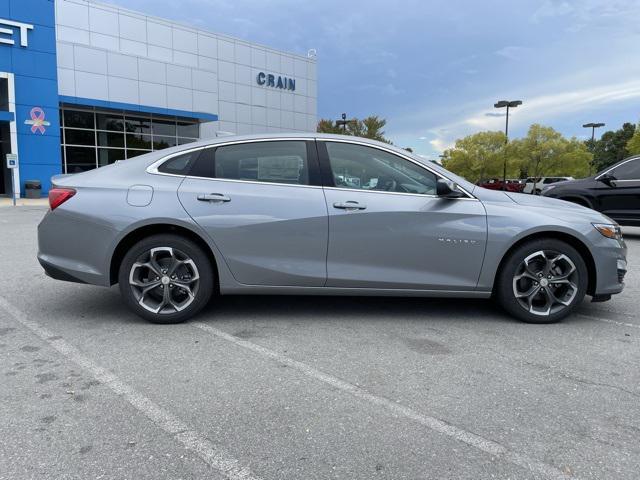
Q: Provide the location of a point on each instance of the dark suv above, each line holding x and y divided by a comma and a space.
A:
614, 191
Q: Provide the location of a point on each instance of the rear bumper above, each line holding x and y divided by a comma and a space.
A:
72, 249
57, 273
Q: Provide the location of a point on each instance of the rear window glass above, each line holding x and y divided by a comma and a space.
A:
180, 164
271, 162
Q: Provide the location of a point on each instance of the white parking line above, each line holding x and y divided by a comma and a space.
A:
435, 424
190, 439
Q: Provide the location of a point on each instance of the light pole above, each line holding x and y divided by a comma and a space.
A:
593, 127
343, 122
509, 104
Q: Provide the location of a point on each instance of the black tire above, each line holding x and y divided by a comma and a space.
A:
189, 286
514, 277
537, 192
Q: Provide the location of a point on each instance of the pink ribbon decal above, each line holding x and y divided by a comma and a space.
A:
37, 122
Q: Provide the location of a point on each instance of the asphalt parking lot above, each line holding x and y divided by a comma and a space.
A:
309, 388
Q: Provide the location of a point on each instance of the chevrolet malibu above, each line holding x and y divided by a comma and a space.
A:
319, 215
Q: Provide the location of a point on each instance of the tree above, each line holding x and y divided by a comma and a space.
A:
612, 146
545, 152
369, 127
328, 126
373, 126
477, 156
633, 145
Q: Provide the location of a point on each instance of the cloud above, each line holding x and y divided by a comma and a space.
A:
537, 110
589, 13
440, 145
550, 9
513, 52
386, 88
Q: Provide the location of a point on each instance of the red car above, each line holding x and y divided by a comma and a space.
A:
496, 184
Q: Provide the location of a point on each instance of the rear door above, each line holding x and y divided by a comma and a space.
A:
262, 205
388, 229
621, 200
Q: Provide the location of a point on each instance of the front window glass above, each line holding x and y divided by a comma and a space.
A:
628, 171
368, 168
275, 162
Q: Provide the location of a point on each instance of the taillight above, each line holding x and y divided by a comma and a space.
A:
57, 196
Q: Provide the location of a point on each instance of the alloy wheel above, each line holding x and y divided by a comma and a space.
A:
164, 280
545, 282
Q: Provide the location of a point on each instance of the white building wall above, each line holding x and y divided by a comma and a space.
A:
113, 54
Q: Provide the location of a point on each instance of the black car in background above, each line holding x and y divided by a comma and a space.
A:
614, 191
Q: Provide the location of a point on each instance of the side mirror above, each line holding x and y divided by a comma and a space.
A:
447, 189
608, 179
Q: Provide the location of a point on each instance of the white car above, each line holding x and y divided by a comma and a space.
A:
535, 185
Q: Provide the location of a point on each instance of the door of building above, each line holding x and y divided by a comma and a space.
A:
5, 147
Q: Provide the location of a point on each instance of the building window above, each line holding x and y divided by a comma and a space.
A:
95, 138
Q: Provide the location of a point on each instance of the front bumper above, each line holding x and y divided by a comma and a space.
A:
610, 259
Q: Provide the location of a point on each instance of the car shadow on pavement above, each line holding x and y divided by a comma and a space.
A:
93, 303
350, 308
94, 307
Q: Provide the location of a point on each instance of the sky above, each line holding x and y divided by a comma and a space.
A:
434, 68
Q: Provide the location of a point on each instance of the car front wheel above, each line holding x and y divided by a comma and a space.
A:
166, 278
542, 281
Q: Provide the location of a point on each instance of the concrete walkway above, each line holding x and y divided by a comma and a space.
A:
24, 202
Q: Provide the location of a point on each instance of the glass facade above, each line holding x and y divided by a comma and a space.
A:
94, 138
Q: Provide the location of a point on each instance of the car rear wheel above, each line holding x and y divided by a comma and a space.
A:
166, 279
542, 281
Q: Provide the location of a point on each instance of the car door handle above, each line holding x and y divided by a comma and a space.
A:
349, 205
213, 197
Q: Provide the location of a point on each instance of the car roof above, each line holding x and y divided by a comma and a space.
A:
294, 135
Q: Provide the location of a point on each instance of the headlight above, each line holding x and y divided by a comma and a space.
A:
609, 230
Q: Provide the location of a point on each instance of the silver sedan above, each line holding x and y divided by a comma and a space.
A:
319, 215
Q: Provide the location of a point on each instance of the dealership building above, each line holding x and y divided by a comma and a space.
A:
84, 84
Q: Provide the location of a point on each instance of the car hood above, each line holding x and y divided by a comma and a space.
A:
559, 209
538, 201
543, 206
573, 183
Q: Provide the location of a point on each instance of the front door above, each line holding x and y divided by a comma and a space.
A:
388, 229
621, 200
263, 207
